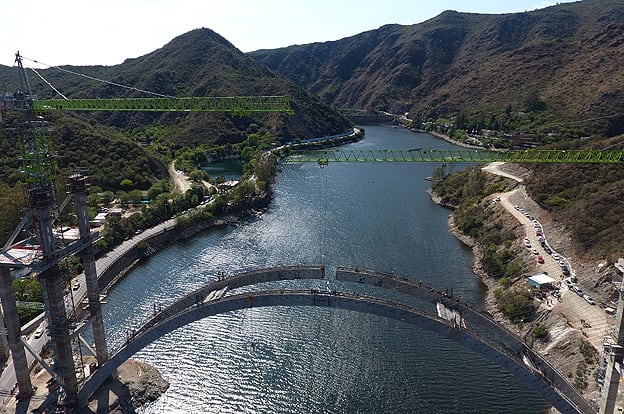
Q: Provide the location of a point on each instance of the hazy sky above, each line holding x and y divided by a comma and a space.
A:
106, 32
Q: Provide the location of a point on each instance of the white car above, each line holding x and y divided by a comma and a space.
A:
76, 286
534, 250
38, 333
589, 299
555, 256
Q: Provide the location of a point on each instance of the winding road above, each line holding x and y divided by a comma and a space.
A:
572, 307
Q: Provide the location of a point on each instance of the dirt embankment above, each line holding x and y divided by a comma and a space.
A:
138, 383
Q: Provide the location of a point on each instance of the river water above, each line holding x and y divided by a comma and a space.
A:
318, 360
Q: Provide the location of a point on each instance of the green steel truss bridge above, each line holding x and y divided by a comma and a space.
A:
324, 157
236, 105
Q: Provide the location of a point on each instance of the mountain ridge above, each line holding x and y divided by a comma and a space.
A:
471, 62
197, 63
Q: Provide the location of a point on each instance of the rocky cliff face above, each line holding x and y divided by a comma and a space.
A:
564, 60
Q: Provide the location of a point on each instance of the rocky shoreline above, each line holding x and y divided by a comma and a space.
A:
477, 252
138, 383
567, 335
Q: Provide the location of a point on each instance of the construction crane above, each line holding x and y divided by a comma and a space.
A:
39, 168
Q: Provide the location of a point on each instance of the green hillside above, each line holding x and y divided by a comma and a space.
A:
116, 146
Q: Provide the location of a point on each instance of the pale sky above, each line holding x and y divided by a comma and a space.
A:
106, 32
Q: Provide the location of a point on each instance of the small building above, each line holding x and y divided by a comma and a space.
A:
115, 212
99, 220
540, 280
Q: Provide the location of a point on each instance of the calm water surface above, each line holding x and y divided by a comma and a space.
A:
317, 360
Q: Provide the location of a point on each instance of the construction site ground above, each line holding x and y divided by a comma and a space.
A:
569, 318
138, 383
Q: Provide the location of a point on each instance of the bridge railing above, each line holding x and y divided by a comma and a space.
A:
480, 324
198, 296
471, 156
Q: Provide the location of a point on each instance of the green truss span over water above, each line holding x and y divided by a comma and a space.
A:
323, 157
236, 105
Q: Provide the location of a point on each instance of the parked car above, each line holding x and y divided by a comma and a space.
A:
534, 250
555, 256
578, 290
565, 271
589, 299
540, 259
38, 333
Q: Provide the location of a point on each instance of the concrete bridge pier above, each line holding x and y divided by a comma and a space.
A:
78, 185
58, 327
42, 199
5, 353
612, 379
7, 295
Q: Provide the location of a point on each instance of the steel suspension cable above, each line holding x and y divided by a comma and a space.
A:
100, 80
49, 84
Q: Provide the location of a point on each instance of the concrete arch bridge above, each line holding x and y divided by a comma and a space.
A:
451, 319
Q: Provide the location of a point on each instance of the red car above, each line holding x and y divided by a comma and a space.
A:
540, 259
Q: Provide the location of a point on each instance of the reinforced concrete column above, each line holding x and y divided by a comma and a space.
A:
78, 185
58, 326
615, 359
95, 308
42, 199
612, 379
14, 331
5, 353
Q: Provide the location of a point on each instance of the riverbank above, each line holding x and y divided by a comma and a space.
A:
447, 139
572, 326
137, 384
436, 134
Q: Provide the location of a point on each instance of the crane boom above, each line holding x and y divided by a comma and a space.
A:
236, 105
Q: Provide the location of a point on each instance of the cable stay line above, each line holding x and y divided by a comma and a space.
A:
541, 128
100, 80
49, 84
157, 102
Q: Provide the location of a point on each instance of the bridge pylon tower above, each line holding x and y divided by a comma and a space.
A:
39, 166
78, 186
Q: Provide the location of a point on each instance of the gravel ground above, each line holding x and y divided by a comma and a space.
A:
138, 384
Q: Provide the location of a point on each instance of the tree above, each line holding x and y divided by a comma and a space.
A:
198, 175
533, 102
126, 184
154, 191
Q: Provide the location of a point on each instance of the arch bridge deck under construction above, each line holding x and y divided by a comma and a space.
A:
452, 319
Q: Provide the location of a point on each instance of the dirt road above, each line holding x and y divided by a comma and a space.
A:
180, 180
590, 320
